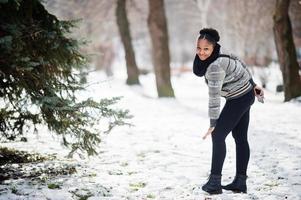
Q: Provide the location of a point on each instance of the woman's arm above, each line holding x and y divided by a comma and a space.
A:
215, 76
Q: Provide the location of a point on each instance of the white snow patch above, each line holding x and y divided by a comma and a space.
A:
163, 155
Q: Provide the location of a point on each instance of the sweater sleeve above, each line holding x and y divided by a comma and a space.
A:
215, 76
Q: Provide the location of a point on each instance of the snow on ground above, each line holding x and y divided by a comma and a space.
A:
163, 155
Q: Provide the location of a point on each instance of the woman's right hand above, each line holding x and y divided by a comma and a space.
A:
209, 132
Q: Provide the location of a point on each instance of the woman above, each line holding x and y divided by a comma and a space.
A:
226, 76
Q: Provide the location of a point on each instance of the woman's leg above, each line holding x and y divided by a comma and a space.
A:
230, 116
240, 134
226, 122
233, 111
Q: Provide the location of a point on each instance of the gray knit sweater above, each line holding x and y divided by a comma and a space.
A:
229, 78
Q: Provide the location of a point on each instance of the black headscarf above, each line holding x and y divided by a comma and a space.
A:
200, 66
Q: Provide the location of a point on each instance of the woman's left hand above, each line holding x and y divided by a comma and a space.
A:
209, 132
258, 91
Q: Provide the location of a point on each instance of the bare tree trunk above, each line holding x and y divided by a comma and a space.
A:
286, 50
203, 6
160, 51
123, 26
295, 16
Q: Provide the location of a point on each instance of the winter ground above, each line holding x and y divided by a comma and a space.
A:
163, 155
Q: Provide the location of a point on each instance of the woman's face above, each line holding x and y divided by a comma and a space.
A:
204, 49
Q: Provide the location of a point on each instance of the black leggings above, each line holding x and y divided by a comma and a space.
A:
234, 117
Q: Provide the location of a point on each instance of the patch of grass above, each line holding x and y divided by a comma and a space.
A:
132, 172
53, 186
168, 188
14, 190
117, 172
134, 189
150, 196
124, 164
84, 197
136, 186
10, 155
272, 184
141, 155
92, 175
82, 194
140, 185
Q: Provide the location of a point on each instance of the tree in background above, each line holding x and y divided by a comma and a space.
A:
160, 51
123, 26
98, 25
203, 6
295, 17
286, 50
247, 27
41, 72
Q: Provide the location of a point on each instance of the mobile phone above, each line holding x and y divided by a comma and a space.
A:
260, 98
257, 91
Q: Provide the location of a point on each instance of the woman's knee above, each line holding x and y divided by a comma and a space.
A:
240, 140
218, 136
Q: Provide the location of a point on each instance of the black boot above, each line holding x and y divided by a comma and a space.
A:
238, 185
213, 186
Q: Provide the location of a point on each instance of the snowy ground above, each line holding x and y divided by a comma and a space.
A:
164, 157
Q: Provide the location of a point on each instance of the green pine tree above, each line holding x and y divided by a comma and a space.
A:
41, 71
